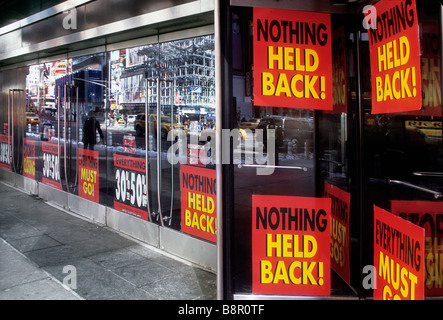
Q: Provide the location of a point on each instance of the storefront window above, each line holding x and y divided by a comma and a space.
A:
45, 112
365, 162
403, 154
65, 123
311, 152
162, 95
336, 136
129, 129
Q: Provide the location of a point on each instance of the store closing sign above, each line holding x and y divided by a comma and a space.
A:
51, 165
395, 58
130, 186
398, 257
29, 158
198, 202
5, 152
340, 230
428, 215
88, 174
292, 59
291, 245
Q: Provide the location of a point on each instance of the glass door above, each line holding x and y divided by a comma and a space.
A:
160, 120
403, 159
161, 104
81, 117
370, 165
185, 133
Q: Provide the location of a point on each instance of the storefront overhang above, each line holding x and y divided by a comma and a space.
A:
330, 6
48, 36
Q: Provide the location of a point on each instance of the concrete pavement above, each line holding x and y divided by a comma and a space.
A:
47, 253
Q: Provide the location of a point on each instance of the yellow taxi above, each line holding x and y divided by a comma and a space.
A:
32, 118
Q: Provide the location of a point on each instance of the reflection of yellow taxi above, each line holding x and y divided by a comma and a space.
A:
32, 118
243, 134
139, 124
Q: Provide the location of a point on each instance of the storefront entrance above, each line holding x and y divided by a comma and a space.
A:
341, 172
115, 136
320, 120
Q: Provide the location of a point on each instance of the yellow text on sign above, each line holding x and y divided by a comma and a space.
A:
29, 166
393, 54
287, 58
201, 222
397, 278
201, 202
291, 245
396, 87
297, 272
299, 86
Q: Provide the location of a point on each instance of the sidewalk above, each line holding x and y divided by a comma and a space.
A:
42, 247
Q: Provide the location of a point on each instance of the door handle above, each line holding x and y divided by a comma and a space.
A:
146, 144
428, 174
64, 138
159, 172
437, 195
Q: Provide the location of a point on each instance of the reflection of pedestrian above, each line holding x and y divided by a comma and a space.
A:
89, 132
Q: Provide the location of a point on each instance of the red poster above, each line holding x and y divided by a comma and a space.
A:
196, 153
430, 69
292, 59
398, 258
29, 158
51, 165
291, 245
339, 71
395, 57
5, 152
88, 169
198, 202
428, 215
340, 230
129, 144
130, 186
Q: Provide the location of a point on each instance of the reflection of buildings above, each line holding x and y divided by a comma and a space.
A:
85, 83
186, 65
40, 83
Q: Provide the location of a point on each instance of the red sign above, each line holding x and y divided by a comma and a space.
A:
340, 230
129, 144
292, 59
198, 202
29, 158
430, 68
51, 165
291, 245
197, 153
5, 152
339, 71
395, 57
398, 257
130, 186
428, 215
88, 169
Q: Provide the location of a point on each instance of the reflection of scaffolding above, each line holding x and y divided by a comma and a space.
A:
188, 65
